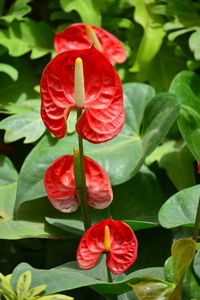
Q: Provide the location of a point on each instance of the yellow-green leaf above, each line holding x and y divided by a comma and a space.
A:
152, 288
36, 290
183, 251
23, 285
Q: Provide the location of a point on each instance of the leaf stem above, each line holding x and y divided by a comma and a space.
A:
197, 223
82, 188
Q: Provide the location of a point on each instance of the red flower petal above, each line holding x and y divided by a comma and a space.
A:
103, 117
61, 190
75, 37
123, 250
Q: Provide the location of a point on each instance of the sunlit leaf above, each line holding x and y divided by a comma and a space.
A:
23, 285
9, 70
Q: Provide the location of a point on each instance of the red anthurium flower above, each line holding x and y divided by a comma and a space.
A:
84, 80
115, 238
80, 36
60, 185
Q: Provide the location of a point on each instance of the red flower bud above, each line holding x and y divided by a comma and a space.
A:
80, 36
100, 92
122, 245
60, 185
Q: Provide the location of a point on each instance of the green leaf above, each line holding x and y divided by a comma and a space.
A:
17, 10
194, 43
186, 87
163, 68
180, 209
71, 277
26, 36
89, 10
9, 227
152, 288
36, 290
26, 125
23, 285
177, 160
8, 174
152, 37
9, 70
124, 155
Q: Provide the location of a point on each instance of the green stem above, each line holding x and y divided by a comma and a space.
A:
82, 188
197, 223
109, 275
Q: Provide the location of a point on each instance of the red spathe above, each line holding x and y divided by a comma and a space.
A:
103, 113
75, 37
60, 185
123, 249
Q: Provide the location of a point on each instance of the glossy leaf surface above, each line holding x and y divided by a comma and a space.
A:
60, 185
75, 37
103, 115
180, 209
71, 276
123, 248
186, 87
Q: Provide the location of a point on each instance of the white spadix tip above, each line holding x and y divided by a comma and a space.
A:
79, 89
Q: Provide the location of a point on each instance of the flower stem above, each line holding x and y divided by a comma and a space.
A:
197, 223
82, 188
109, 275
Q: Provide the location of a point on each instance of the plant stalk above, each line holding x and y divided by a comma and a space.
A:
197, 224
82, 188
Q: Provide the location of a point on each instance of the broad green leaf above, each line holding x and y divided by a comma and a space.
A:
186, 87
26, 36
23, 285
177, 160
8, 173
26, 125
180, 209
183, 251
17, 10
194, 43
9, 70
71, 277
9, 227
124, 155
196, 264
89, 10
152, 288
153, 33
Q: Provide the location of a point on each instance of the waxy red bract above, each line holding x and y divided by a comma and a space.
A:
60, 186
123, 250
75, 37
103, 113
